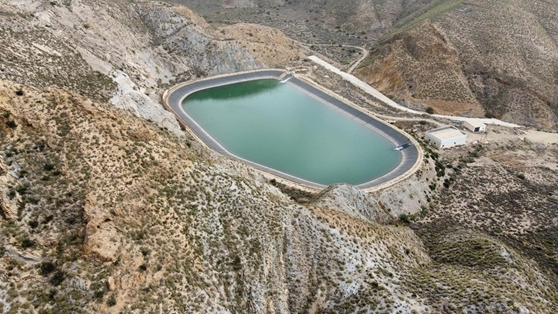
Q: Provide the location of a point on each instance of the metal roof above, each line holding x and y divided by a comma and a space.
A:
475, 123
447, 132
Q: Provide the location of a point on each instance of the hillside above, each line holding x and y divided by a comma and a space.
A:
312, 21
127, 52
105, 212
474, 58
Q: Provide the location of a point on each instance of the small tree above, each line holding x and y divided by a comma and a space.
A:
429, 110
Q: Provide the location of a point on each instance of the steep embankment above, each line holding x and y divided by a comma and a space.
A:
465, 58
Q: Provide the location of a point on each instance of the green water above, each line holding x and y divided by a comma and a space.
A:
280, 127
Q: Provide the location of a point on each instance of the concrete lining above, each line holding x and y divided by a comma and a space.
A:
411, 156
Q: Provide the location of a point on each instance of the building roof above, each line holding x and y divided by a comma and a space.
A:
446, 132
476, 123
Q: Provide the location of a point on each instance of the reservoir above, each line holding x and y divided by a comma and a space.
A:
283, 127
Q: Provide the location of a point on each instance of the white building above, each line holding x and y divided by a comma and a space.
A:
446, 137
474, 125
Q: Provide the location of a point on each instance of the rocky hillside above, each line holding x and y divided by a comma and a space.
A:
104, 212
127, 51
474, 57
313, 21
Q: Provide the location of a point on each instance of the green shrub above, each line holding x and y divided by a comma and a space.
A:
489, 115
405, 219
26, 243
11, 124
476, 153
111, 301
430, 110
47, 268
57, 278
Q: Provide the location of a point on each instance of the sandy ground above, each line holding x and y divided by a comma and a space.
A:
542, 137
498, 133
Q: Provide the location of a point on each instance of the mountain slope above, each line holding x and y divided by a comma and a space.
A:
127, 51
476, 57
103, 212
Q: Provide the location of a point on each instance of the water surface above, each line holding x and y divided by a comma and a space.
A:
281, 127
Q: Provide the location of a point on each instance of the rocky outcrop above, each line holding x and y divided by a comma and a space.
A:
352, 201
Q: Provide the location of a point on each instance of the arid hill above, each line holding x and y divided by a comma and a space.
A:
497, 57
104, 212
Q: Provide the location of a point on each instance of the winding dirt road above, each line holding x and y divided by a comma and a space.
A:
383, 98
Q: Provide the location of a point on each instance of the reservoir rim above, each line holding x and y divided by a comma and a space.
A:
411, 156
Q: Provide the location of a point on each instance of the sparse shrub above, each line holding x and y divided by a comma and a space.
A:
47, 268
33, 224
99, 294
237, 265
11, 124
48, 219
476, 153
57, 278
111, 301
21, 189
405, 219
27, 243
138, 235
430, 110
145, 251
